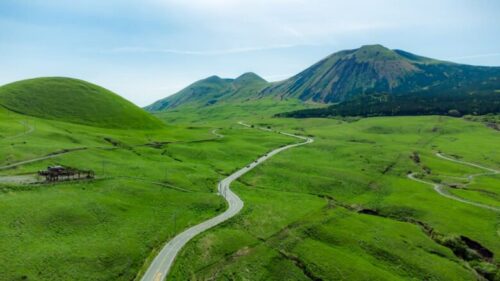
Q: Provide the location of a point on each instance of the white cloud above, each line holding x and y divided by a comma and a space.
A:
271, 37
204, 52
284, 21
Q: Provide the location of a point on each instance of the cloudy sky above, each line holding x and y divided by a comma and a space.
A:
148, 49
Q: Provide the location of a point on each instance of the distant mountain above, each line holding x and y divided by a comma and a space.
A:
376, 69
213, 90
351, 75
76, 101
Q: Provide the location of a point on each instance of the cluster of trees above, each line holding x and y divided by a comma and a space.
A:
423, 103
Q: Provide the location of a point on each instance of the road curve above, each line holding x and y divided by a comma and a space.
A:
442, 156
439, 188
159, 268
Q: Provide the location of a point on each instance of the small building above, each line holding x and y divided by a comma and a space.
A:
61, 173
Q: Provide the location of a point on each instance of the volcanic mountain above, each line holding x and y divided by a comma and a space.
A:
376, 69
343, 76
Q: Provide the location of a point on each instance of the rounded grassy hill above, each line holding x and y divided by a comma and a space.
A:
76, 101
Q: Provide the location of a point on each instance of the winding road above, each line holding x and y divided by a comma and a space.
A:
159, 268
439, 188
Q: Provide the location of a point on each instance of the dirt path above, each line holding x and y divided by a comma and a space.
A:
439, 188
30, 130
53, 155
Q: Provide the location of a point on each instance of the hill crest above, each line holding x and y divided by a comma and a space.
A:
212, 90
76, 101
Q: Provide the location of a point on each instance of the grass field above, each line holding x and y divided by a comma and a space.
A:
226, 113
150, 185
342, 208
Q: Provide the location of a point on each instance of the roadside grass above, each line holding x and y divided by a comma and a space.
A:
357, 166
104, 229
266, 213
340, 208
99, 230
483, 189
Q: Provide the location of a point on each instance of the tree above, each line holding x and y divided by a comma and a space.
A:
454, 113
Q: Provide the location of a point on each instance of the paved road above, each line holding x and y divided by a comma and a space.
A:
161, 265
492, 171
439, 188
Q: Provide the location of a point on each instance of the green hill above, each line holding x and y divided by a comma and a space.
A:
76, 101
213, 91
375, 69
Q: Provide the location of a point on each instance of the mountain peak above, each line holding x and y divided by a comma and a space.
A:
213, 79
375, 52
249, 77
373, 47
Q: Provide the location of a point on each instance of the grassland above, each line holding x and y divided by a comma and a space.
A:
150, 185
225, 113
77, 101
340, 208
343, 208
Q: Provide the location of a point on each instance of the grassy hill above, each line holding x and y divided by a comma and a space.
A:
341, 208
151, 185
76, 101
221, 99
213, 91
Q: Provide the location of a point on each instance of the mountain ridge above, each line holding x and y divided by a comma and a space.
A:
211, 90
343, 76
373, 69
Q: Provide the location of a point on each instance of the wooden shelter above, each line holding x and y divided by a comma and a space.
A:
61, 173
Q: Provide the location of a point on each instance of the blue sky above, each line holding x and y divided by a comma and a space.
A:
148, 49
